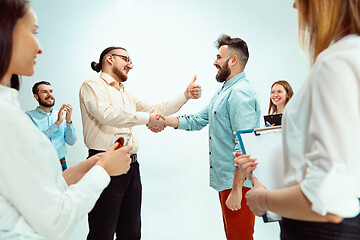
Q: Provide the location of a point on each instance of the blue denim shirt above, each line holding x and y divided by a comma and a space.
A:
58, 135
234, 107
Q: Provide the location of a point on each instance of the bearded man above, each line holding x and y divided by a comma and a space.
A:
234, 107
109, 111
51, 122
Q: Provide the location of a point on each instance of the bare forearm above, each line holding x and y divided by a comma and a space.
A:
239, 179
172, 122
73, 174
292, 203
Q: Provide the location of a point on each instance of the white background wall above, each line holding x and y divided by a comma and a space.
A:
169, 41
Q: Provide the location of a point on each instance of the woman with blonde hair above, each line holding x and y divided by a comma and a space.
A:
321, 131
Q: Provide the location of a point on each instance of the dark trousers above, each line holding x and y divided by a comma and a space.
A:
348, 229
118, 208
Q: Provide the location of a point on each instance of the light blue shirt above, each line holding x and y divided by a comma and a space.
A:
58, 135
234, 107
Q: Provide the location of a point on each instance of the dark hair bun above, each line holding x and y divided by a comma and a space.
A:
95, 66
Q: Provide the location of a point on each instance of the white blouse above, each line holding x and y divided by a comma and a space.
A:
35, 201
321, 131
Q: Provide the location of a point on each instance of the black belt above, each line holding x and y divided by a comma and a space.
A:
93, 152
133, 158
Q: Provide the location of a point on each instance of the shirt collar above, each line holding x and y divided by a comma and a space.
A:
233, 80
39, 110
108, 79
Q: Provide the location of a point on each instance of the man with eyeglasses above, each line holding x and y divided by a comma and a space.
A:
110, 111
234, 107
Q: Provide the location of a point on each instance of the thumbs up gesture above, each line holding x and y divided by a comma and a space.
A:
193, 91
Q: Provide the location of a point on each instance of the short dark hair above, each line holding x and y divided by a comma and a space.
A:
238, 45
97, 67
35, 88
10, 12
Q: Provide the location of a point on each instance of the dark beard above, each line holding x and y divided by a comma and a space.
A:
45, 104
224, 72
119, 74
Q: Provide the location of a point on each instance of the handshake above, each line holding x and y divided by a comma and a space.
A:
156, 122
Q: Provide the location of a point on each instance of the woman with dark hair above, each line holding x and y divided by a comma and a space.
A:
36, 200
281, 92
9, 19
321, 132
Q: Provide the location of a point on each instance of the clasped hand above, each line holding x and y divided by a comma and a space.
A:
156, 122
256, 197
64, 108
116, 161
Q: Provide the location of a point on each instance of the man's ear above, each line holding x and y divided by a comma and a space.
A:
109, 59
36, 97
234, 60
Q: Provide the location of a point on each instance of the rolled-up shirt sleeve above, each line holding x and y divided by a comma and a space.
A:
333, 140
166, 108
194, 122
96, 99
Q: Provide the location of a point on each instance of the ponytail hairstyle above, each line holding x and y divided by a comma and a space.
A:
97, 67
10, 12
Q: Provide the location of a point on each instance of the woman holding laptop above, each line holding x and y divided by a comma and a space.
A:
281, 92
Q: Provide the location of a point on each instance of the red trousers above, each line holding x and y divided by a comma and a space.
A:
238, 225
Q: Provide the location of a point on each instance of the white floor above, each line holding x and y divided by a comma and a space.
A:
151, 231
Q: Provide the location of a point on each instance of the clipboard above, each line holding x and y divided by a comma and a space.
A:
265, 144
